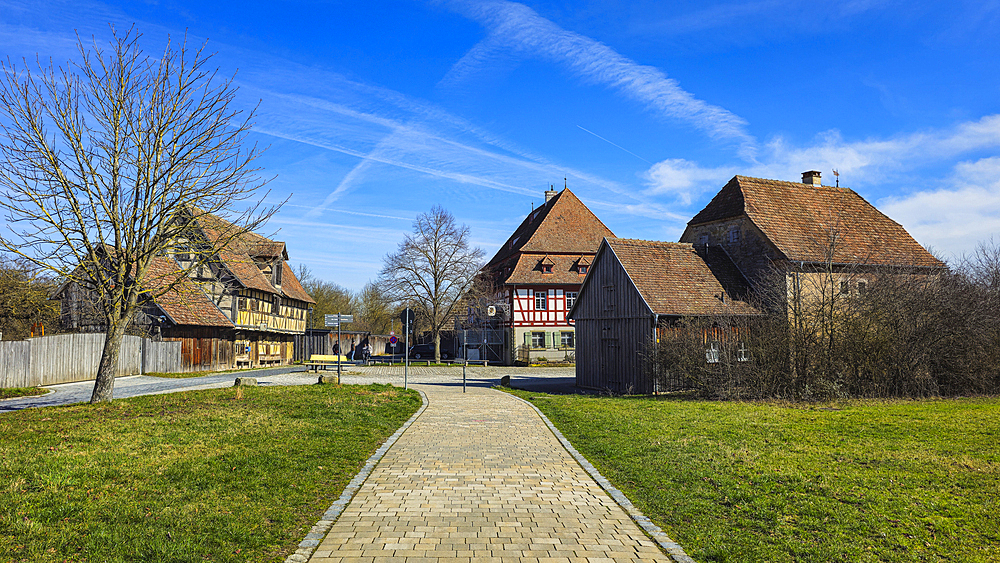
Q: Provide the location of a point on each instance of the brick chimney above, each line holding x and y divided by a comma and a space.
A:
549, 194
811, 177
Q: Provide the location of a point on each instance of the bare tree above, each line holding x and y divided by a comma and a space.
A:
24, 301
432, 268
375, 310
116, 159
331, 298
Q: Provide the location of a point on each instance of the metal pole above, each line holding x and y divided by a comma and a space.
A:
465, 342
463, 374
406, 351
340, 347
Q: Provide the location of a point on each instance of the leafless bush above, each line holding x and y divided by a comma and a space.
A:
857, 331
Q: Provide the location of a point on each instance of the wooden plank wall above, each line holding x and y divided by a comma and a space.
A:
64, 358
613, 327
161, 357
15, 364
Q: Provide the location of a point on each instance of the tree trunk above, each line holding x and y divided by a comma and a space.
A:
104, 385
437, 346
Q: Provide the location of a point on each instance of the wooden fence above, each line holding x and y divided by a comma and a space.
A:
64, 358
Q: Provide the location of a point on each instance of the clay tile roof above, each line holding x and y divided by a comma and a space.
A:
584, 260
562, 225
239, 259
801, 220
528, 270
290, 285
547, 261
674, 279
185, 303
267, 249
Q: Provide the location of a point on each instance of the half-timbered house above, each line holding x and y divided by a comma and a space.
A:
538, 272
239, 308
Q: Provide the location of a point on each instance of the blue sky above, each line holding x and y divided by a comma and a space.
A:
375, 111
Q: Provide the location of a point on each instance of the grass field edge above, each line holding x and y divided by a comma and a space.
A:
320, 529
670, 546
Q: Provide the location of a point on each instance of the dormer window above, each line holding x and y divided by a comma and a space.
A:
583, 269
734, 235
545, 265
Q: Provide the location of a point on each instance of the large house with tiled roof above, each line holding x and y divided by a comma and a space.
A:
538, 272
806, 226
241, 307
809, 241
636, 290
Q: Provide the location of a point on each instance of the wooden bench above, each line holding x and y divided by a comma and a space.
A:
268, 359
242, 359
317, 360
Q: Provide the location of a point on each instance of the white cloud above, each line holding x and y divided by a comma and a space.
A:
867, 163
954, 217
684, 179
516, 28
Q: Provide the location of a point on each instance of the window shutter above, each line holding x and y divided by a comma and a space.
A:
556, 339
548, 340
527, 339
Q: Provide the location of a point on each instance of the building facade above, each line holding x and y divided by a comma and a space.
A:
807, 243
537, 275
240, 307
637, 290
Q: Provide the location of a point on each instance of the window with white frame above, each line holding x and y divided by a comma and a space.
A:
538, 340
734, 235
566, 340
570, 299
742, 352
541, 300
712, 352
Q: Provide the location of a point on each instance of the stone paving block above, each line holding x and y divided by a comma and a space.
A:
480, 478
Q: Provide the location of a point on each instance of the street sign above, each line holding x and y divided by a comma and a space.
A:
334, 320
393, 340
407, 318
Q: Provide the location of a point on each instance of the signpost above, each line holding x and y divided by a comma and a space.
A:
337, 320
407, 319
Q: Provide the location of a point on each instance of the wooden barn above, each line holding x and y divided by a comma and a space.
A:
636, 287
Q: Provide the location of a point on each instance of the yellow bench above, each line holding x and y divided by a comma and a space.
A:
316, 360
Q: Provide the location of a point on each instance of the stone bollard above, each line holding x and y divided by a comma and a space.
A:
245, 382
327, 379
505, 381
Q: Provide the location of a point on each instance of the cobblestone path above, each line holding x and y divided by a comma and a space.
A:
479, 477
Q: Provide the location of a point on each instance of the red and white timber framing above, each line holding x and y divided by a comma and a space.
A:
524, 301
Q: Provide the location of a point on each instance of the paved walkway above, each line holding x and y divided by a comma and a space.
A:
479, 477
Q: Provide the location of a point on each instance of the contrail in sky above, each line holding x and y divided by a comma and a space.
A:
619, 146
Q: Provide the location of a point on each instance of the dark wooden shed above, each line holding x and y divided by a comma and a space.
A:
635, 286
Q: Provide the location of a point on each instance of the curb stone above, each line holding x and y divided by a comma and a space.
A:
318, 531
654, 531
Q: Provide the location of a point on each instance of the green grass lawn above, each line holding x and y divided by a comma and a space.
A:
859, 481
186, 374
13, 392
193, 476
